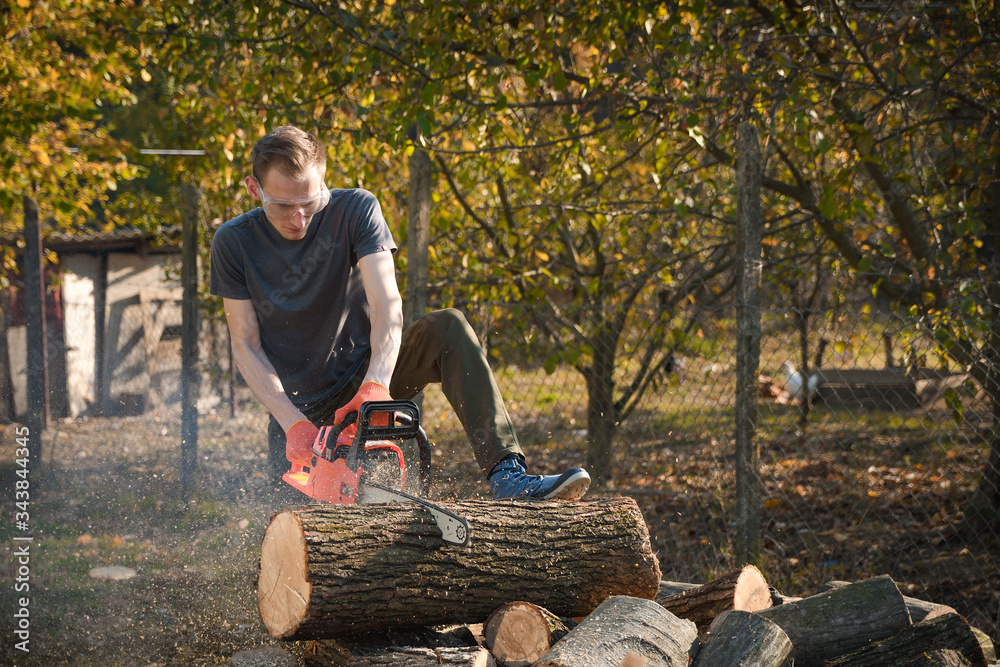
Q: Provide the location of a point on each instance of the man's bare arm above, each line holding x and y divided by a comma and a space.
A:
253, 363
378, 273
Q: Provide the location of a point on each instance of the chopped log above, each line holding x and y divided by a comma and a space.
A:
329, 571
842, 620
989, 650
623, 625
331, 654
744, 589
744, 639
919, 609
519, 633
948, 631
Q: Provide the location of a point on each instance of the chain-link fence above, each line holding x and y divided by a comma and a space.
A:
874, 437
873, 441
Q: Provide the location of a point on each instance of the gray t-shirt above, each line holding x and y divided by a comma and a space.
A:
310, 301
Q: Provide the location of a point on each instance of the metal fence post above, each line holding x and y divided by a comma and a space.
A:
749, 226
37, 382
190, 374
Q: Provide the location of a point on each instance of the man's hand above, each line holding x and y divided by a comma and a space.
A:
369, 391
299, 439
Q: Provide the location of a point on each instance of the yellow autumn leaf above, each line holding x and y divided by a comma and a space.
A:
23, 4
771, 503
542, 256
145, 75
41, 155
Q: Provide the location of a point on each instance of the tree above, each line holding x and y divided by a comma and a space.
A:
58, 77
883, 119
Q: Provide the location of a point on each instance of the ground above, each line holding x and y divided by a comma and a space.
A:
109, 493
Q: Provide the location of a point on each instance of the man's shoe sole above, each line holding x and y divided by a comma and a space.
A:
571, 485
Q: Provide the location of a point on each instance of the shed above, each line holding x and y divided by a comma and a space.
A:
113, 313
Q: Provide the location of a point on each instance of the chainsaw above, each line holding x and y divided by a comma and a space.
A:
372, 469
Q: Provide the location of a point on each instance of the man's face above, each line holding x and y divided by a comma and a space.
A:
290, 203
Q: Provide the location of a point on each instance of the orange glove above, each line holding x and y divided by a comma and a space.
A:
369, 391
299, 439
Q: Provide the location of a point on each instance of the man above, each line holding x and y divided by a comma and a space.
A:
309, 289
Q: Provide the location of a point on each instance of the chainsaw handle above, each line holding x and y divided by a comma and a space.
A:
335, 431
403, 425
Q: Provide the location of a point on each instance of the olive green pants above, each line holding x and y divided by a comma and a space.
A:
440, 347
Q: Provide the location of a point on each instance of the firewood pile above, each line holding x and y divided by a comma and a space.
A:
557, 584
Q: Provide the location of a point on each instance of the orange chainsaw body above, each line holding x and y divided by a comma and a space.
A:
329, 476
333, 481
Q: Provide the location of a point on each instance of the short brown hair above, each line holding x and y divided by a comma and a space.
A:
288, 149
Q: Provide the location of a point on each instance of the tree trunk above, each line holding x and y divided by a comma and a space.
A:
623, 625
948, 631
519, 633
744, 639
602, 416
744, 589
839, 621
748, 243
985, 503
328, 571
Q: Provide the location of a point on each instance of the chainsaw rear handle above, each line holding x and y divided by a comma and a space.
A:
404, 424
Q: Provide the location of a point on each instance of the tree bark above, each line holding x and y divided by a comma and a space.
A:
744, 639
948, 631
418, 224
328, 571
519, 633
748, 244
743, 589
623, 625
839, 621
602, 415
668, 588
919, 609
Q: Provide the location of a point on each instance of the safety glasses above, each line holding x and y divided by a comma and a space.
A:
285, 209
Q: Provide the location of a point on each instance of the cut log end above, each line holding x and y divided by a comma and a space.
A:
283, 587
744, 589
517, 634
752, 592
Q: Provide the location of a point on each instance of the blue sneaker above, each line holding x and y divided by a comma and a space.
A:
508, 479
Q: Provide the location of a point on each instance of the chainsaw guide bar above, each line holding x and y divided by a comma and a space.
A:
454, 529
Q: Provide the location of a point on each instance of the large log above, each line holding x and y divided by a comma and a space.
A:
946, 631
329, 571
519, 633
829, 624
623, 625
744, 639
744, 589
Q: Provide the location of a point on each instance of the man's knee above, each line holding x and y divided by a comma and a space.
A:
450, 324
